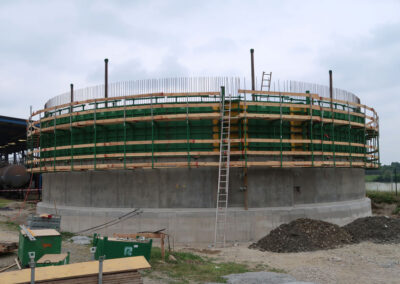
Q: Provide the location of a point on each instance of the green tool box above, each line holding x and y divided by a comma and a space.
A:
53, 259
41, 242
117, 248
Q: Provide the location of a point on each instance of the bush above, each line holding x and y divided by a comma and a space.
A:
383, 197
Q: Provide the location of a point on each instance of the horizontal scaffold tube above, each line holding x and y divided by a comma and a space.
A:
109, 133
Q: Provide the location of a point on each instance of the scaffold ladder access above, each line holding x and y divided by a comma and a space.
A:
266, 81
223, 171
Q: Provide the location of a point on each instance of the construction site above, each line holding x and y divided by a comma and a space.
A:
173, 148
249, 172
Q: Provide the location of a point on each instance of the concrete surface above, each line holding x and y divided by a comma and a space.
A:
183, 200
196, 187
196, 225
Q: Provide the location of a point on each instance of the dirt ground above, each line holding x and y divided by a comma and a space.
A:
360, 263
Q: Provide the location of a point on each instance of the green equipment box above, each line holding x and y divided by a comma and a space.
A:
117, 248
53, 259
41, 242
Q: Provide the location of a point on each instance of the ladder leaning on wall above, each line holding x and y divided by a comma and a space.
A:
223, 171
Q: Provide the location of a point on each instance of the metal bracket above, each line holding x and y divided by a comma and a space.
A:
28, 233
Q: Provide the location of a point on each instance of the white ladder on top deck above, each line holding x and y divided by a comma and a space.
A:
266, 81
223, 171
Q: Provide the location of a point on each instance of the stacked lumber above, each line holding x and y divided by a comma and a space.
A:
117, 270
131, 277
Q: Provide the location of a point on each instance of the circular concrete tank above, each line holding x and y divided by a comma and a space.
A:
160, 152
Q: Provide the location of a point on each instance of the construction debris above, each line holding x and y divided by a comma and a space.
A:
377, 229
303, 235
6, 247
81, 240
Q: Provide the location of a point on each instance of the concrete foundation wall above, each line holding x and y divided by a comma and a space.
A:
196, 187
190, 225
183, 200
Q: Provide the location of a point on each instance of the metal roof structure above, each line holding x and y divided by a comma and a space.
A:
12, 135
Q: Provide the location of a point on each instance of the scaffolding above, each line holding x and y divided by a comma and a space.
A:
181, 129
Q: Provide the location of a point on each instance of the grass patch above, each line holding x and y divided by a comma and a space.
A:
4, 202
66, 235
10, 225
371, 178
383, 197
192, 268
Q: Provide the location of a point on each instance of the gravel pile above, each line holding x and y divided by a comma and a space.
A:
303, 235
377, 229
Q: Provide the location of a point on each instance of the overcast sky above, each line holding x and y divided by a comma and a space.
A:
46, 45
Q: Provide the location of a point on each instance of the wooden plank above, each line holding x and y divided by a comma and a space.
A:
174, 105
200, 116
132, 277
233, 164
17, 263
42, 232
315, 96
149, 95
8, 267
101, 110
52, 258
292, 94
194, 153
75, 270
171, 117
142, 142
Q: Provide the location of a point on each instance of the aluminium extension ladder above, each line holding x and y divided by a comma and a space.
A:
223, 171
266, 81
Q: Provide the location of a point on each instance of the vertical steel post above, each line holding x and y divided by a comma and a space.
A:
106, 78
245, 175
322, 131
395, 178
95, 135
101, 259
187, 130
253, 82
280, 127
72, 92
32, 266
349, 132
332, 116
55, 139
40, 144
152, 132
124, 133
70, 127
311, 127
106, 81
377, 139
365, 137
